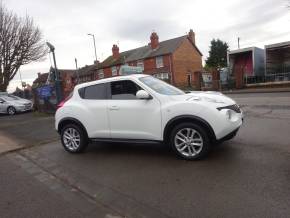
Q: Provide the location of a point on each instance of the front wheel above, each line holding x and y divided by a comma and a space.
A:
74, 138
11, 110
190, 141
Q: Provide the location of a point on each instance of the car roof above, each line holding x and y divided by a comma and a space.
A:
111, 79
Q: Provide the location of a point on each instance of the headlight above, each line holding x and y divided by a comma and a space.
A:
233, 107
229, 114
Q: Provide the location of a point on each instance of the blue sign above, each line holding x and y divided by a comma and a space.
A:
45, 91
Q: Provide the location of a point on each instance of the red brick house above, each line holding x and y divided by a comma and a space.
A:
174, 60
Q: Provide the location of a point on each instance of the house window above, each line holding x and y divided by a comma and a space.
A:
140, 63
114, 71
159, 62
101, 74
163, 76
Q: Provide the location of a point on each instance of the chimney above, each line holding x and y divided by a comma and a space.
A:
115, 51
38, 74
191, 36
154, 40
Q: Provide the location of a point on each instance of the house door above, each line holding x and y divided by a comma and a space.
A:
189, 79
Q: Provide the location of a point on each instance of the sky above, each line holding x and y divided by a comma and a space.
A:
129, 23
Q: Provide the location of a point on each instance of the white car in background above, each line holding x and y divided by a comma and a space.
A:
141, 108
10, 104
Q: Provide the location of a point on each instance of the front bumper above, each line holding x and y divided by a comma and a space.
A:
229, 125
23, 108
229, 136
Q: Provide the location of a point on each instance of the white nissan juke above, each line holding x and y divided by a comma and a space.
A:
140, 108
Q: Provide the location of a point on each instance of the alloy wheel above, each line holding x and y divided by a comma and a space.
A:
188, 142
71, 139
11, 111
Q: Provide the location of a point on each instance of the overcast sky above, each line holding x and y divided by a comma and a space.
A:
128, 23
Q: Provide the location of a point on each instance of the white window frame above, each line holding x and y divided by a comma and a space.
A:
161, 76
159, 62
140, 63
114, 71
101, 74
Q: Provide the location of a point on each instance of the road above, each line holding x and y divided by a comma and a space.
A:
245, 177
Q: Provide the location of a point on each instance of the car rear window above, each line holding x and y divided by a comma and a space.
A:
98, 91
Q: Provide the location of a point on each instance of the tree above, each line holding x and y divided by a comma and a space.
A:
217, 54
20, 43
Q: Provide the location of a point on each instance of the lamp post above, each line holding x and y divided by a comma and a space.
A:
89, 34
77, 71
57, 76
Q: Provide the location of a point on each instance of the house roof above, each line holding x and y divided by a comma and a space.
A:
165, 47
87, 70
278, 45
241, 50
68, 71
41, 78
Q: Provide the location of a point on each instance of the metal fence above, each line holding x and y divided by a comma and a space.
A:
279, 77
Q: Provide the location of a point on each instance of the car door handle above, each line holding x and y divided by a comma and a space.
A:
114, 108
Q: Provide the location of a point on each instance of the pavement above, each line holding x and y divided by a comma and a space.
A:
257, 90
245, 177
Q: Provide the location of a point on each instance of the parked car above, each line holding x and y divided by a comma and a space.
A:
10, 104
140, 108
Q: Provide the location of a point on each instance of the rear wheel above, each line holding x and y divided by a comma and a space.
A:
11, 110
190, 141
74, 138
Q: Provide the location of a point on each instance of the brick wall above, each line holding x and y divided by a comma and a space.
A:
186, 60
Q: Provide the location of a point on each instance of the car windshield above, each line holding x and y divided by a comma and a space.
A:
160, 86
14, 97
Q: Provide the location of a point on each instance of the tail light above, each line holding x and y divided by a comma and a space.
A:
63, 101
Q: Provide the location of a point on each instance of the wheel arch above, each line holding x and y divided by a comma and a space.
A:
70, 120
188, 118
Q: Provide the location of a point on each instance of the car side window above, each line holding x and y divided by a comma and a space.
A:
97, 92
124, 90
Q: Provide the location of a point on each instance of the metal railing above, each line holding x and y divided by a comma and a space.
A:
279, 77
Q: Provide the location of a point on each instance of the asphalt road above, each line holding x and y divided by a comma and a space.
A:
245, 177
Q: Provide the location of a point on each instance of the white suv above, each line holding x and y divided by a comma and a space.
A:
141, 108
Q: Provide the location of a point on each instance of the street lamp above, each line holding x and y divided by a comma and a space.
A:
57, 79
77, 71
89, 34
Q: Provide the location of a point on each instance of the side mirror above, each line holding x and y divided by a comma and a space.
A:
141, 94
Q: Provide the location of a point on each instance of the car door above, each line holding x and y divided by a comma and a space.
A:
132, 118
95, 116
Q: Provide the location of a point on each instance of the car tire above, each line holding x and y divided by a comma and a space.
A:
189, 141
73, 138
11, 110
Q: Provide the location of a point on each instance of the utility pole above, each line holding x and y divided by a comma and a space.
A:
57, 76
239, 42
94, 44
77, 70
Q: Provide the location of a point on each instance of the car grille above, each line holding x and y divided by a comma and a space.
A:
233, 107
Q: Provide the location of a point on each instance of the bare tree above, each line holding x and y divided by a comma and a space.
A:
20, 43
